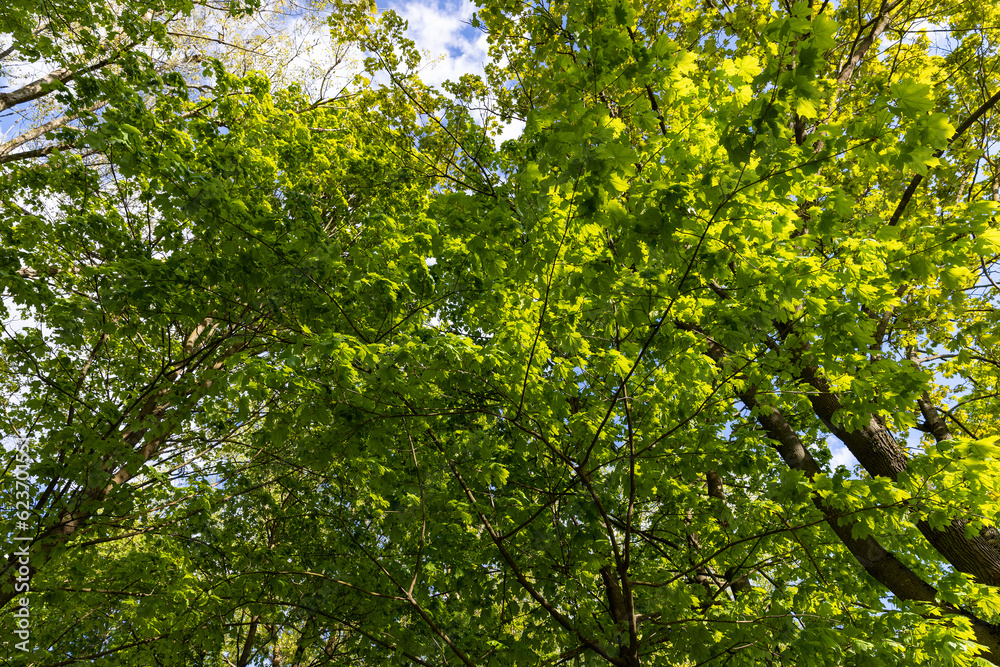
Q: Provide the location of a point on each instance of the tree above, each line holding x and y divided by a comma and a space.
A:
597, 429
153, 247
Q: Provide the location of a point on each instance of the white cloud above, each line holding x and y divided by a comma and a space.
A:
443, 34
512, 131
938, 34
841, 456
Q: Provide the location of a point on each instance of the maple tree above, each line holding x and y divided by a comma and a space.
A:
355, 385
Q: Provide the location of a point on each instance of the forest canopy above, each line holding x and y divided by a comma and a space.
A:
306, 362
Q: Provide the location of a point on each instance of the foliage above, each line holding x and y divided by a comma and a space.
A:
354, 385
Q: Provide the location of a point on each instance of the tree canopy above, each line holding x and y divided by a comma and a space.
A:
295, 376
